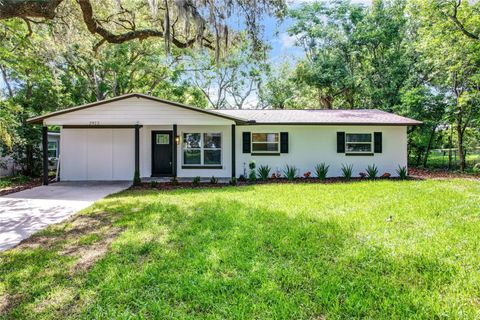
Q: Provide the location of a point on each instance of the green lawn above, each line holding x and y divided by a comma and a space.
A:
379, 250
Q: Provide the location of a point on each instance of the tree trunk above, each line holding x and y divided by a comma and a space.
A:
461, 153
28, 170
419, 156
459, 121
429, 146
450, 146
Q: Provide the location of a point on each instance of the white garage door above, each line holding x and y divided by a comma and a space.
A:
97, 154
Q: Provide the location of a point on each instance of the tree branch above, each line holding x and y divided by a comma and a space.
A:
27, 8
95, 28
459, 24
47, 9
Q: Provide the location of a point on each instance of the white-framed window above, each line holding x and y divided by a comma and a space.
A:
202, 149
52, 149
358, 142
266, 142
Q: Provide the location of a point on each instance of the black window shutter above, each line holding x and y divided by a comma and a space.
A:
377, 142
283, 142
246, 141
340, 142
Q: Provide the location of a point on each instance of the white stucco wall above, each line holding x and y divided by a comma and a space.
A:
108, 154
146, 150
311, 145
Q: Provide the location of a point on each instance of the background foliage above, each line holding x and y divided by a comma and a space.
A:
417, 58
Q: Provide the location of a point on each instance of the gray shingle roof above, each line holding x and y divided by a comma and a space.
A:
359, 116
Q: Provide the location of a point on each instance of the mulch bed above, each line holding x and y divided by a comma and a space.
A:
24, 186
202, 185
440, 174
414, 174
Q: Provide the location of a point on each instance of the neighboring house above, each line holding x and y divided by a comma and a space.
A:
8, 166
109, 140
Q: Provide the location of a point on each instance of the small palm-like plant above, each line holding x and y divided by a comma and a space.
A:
196, 181
402, 172
321, 171
263, 172
290, 172
372, 171
347, 171
213, 180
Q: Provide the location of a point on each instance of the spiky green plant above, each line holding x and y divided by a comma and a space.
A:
263, 172
321, 171
372, 171
196, 181
290, 172
347, 171
402, 172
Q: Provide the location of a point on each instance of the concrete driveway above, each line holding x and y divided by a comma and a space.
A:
24, 213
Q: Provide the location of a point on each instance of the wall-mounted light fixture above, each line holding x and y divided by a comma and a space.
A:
177, 140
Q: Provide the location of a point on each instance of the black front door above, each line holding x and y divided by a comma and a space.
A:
162, 150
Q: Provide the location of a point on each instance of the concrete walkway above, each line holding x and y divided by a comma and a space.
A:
24, 213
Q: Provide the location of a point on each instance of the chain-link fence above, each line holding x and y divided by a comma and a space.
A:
448, 158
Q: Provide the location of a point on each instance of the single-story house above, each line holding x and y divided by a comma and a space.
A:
110, 139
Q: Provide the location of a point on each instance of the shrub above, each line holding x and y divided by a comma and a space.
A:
362, 175
347, 171
136, 178
213, 180
233, 181
386, 175
252, 175
307, 174
196, 181
242, 178
276, 175
290, 172
153, 184
402, 172
476, 168
263, 172
372, 171
321, 171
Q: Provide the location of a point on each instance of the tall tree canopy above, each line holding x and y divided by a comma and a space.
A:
355, 56
181, 23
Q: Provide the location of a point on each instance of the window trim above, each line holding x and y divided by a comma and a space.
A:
263, 152
202, 151
371, 143
51, 149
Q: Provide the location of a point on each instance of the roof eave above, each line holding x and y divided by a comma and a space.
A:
416, 123
39, 119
